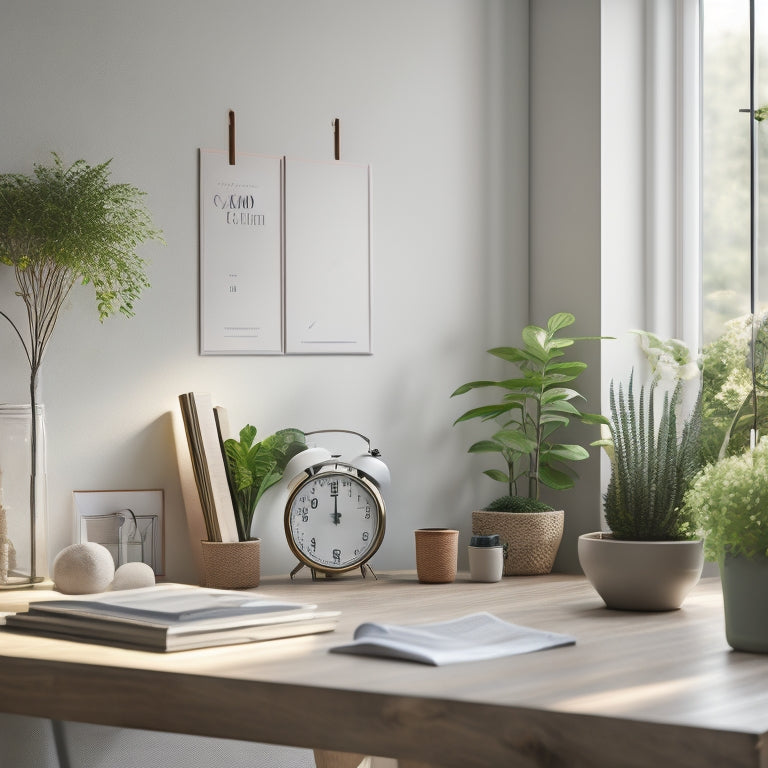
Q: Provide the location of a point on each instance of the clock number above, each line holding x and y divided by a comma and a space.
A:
334, 487
365, 535
337, 556
313, 503
313, 544
367, 511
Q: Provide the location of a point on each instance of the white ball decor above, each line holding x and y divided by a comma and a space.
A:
133, 576
84, 568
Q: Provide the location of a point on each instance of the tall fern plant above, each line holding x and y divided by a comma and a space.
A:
653, 461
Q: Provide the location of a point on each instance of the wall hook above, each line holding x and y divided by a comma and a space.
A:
231, 136
336, 140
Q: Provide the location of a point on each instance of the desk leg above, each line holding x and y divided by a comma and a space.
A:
326, 759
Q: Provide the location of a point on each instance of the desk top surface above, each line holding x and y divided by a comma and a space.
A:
673, 669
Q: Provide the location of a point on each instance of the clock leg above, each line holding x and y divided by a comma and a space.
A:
362, 570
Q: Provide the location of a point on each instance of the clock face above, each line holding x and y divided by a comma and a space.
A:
334, 520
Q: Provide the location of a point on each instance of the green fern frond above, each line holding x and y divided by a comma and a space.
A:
653, 465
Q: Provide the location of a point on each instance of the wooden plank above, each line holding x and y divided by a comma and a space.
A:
635, 690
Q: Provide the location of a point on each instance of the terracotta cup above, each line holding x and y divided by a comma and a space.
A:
437, 551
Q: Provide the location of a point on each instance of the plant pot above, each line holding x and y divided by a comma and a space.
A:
436, 554
641, 575
745, 584
532, 538
231, 564
486, 563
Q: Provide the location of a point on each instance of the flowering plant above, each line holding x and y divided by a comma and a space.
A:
670, 360
730, 499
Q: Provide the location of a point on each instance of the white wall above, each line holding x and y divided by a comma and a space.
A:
433, 93
565, 218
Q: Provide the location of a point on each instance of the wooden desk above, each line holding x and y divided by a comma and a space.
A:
660, 690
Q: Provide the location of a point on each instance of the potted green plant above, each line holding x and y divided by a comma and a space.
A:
535, 403
652, 556
729, 500
253, 467
61, 225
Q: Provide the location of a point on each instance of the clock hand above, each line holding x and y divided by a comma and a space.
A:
336, 514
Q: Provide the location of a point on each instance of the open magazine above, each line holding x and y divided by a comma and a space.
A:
475, 637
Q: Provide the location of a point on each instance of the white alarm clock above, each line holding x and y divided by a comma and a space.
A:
335, 516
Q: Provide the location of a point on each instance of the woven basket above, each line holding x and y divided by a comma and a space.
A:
437, 550
231, 564
532, 538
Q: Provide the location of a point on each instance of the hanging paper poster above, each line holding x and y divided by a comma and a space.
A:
241, 288
327, 258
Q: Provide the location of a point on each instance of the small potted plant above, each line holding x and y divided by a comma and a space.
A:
652, 556
251, 469
729, 498
535, 403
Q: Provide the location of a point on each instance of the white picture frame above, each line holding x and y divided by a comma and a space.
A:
130, 524
241, 254
327, 257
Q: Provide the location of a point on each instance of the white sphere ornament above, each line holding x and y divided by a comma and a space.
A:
133, 576
81, 569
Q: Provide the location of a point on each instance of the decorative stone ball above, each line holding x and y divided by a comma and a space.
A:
133, 575
84, 568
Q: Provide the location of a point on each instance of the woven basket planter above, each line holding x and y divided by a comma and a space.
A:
231, 564
532, 538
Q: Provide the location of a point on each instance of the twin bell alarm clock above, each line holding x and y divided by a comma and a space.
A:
334, 511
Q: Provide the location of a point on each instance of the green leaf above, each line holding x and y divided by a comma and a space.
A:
560, 393
559, 343
473, 385
485, 446
514, 355
515, 440
560, 406
484, 412
554, 478
247, 435
496, 474
566, 453
559, 321
594, 418
567, 369
535, 339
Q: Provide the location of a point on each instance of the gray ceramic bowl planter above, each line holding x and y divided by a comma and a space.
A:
641, 575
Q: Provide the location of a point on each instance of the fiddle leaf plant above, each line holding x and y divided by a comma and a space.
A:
252, 468
534, 405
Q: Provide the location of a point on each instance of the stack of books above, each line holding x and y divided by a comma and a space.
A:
171, 617
205, 437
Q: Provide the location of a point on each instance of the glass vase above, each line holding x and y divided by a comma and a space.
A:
23, 503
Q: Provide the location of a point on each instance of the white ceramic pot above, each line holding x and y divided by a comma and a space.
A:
486, 563
641, 575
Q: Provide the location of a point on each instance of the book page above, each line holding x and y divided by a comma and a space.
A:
471, 638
